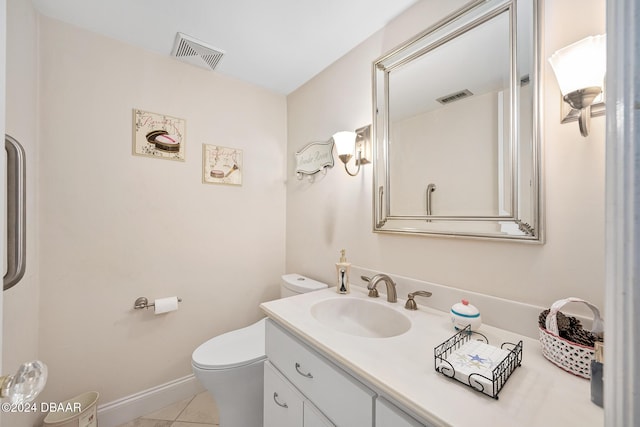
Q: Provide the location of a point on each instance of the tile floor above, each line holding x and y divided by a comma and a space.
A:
197, 411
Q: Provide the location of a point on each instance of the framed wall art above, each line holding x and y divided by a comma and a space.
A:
221, 165
158, 135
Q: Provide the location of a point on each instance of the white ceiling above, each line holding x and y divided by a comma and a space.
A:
276, 44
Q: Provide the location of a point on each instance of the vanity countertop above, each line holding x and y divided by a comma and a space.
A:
538, 394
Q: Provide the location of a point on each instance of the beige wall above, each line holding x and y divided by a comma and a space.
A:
335, 212
114, 226
20, 309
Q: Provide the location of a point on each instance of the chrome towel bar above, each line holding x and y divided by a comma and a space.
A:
16, 214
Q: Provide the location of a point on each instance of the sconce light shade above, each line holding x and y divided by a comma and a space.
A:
580, 69
345, 143
349, 143
581, 65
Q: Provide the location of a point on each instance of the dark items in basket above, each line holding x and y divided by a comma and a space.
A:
570, 329
489, 384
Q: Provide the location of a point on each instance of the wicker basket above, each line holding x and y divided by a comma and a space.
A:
570, 356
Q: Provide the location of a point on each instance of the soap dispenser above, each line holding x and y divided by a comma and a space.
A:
342, 269
596, 375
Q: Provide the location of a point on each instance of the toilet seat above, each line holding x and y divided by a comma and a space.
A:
233, 349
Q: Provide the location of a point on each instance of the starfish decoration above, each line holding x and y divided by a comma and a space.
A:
477, 358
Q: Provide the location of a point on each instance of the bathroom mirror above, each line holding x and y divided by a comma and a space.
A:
456, 127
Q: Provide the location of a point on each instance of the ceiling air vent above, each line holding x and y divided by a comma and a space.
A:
454, 97
195, 52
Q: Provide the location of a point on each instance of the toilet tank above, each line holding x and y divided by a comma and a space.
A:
294, 284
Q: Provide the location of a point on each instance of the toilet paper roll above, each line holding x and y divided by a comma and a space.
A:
165, 305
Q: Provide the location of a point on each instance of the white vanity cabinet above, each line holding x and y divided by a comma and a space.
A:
284, 406
314, 418
359, 381
343, 399
389, 415
318, 393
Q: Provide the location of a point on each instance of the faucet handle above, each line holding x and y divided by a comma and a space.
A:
411, 304
373, 293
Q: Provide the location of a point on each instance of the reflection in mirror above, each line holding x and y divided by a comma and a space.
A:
457, 149
452, 133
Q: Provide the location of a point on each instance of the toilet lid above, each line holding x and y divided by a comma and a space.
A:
300, 284
232, 349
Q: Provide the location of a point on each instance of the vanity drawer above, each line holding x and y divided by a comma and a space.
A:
346, 401
283, 405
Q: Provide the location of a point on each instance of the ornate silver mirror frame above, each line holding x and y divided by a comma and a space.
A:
516, 212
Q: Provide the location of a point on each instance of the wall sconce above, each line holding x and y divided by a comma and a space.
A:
580, 69
350, 143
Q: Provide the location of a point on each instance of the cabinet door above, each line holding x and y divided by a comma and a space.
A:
314, 418
389, 415
283, 404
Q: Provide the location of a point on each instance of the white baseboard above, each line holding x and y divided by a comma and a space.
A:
128, 408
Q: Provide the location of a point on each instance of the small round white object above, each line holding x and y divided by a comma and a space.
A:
463, 314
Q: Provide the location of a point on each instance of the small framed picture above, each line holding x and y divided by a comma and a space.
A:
221, 165
158, 135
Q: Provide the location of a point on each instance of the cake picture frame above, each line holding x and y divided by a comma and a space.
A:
159, 136
221, 165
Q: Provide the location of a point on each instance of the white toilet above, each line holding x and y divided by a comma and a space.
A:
231, 366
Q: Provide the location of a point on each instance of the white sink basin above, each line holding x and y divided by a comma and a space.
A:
360, 317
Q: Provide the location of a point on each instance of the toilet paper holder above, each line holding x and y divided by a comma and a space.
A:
143, 302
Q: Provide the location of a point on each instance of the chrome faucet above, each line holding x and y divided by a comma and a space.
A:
392, 296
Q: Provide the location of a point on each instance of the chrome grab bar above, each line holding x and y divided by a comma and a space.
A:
16, 214
430, 189
380, 220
